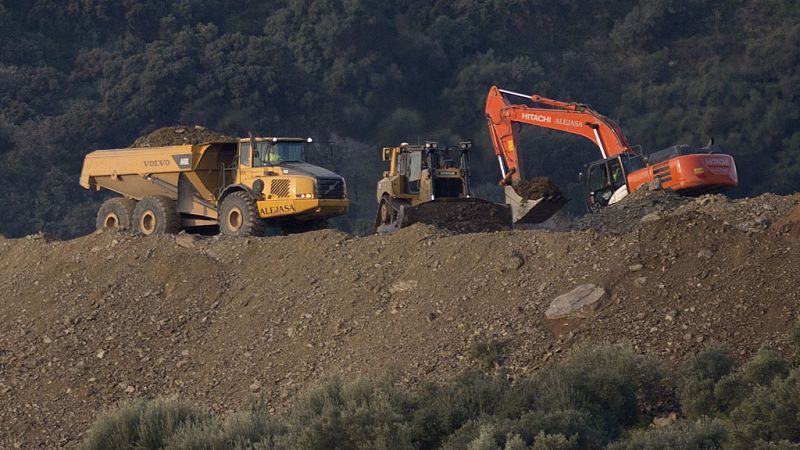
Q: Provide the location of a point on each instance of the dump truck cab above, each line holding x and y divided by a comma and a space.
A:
274, 170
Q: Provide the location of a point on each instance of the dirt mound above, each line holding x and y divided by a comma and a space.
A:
647, 206
107, 317
462, 216
628, 214
788, 222
536, 188
180, 135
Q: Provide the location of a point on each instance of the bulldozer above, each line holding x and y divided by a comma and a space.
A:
429, 184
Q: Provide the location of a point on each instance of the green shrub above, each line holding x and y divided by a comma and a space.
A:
486, 440
590, 397
355, 414
478, 431
712, 363
584, 430
780, 445
697, 397
514, 442
553, 442
730, 391
487, 350
711, 386
765, 366
443, 408
601, 381
771, 413
682, 435
699, 380
240, 430
143, 424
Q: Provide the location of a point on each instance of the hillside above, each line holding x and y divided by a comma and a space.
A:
88, 322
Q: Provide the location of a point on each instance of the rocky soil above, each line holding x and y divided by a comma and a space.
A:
108, 317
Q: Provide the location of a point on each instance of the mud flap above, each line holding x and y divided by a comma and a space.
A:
533, 211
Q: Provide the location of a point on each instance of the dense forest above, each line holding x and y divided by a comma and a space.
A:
79, 75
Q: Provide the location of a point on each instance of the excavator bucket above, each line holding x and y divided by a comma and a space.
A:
533, 211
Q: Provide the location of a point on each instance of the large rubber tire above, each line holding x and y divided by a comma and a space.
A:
157, 214
239, 217
116, 214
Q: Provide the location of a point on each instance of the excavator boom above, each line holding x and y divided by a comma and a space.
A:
572, 118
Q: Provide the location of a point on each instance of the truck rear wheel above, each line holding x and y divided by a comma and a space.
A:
239, 216
157, 214
116, 214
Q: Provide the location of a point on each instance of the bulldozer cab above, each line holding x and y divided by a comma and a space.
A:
428, 172
410, 168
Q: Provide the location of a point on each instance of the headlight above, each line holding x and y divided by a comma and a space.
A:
305, 196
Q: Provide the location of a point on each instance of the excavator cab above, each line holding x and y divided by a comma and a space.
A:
607, 179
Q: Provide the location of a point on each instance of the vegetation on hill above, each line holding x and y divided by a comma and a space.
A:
91, 74
602, 397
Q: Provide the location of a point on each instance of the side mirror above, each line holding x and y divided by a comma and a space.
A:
387, 153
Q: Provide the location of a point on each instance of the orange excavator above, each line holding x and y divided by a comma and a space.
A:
685, 169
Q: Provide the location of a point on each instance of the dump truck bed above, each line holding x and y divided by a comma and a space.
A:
141, 172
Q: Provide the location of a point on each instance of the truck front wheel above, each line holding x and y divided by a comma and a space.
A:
239, 216
157, 214
116, 214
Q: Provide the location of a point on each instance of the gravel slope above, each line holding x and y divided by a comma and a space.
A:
107, 317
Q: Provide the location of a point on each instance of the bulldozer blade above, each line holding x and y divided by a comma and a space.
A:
533, 211
456, 214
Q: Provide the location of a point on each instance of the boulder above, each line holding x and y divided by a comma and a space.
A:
578, 303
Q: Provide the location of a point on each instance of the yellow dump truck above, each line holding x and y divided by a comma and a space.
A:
242, 185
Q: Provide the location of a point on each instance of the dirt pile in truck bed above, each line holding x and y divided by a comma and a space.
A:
180, 135
108, 317
536, 188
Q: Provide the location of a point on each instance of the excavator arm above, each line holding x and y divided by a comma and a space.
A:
573, 118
